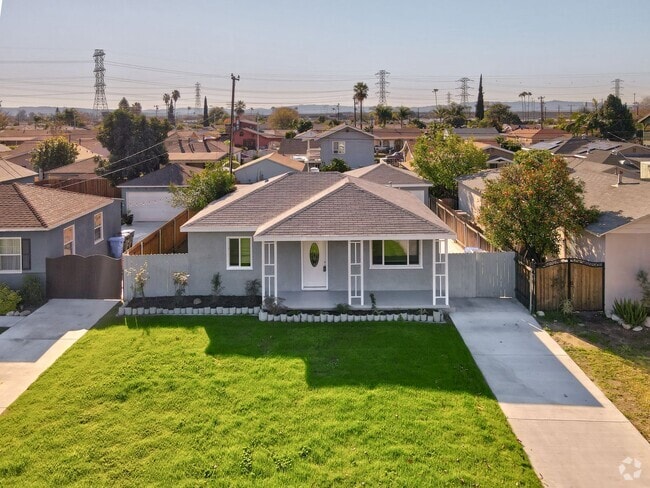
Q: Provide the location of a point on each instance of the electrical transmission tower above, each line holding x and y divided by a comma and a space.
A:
448, 98
99, 106
197, 97
382, 84
617, 87
464, 89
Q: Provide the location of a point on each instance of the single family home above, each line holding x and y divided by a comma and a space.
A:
38, 223
389, 175
321, 239
266, 167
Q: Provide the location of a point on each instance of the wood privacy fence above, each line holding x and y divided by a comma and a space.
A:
546, 286
468, 234
97, 186
167, 239
96, 277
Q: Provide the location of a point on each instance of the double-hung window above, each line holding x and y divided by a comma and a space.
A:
68, 240
338, 147
98, 226
240, 255
10, 255
396, 254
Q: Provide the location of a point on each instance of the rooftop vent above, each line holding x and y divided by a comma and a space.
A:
645, 170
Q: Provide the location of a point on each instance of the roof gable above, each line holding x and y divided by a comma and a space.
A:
341, 127
280, 159
386, 174
171, 173
10, 171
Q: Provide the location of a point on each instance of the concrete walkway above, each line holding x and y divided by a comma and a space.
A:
573, 435
33, 343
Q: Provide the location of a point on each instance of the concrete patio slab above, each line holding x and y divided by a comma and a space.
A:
573, 435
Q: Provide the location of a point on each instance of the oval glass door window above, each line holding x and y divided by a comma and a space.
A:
314, 254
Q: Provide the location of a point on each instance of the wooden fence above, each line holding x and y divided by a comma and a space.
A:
546, 286
165, 240
468, 234
97, 186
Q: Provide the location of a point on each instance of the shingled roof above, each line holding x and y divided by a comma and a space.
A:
319, 204
385, 174
10, 171
280, 159
31, 207
171, 173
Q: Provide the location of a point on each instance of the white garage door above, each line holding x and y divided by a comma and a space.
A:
151, 206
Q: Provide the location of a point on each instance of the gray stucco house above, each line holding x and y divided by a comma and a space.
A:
352, 145
321, 239
388, 175
38, 223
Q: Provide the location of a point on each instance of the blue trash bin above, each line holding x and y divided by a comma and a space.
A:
116, 244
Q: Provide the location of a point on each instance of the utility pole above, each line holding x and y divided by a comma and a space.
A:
232, 119
197, 97
448, 98
541, 111
338, 112
354, 101
635, 104
156, 110
435, 96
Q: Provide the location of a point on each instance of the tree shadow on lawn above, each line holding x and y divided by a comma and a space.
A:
409, 354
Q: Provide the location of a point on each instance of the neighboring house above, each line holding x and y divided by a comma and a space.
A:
22, 155
253, 139
352, 145
393, 138
322, 239
12, 173
388, 175
266, 167
83, 170
196, 149
645, 122
621, 236
528, 137
294, 147
38, 223
478, 134
497, 156
149, 198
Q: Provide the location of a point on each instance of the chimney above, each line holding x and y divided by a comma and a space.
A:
619, 177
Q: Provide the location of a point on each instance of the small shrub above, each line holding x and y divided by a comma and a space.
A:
32, 292
9, 299
373, 303
274, 306
336, 165
217, 284
181, 279
342, 308
631, 311
140, 278
567, 307
253, 287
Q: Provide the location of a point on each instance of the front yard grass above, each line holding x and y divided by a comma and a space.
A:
617, 360
171, 401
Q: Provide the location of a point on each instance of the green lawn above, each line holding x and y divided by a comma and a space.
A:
174, 401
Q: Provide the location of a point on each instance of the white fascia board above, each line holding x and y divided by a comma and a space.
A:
217, 229
386, 237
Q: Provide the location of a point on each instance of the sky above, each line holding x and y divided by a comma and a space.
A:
289, 52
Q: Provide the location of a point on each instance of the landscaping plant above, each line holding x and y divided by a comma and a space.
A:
9, 299
644, 282
217, 284
32, 292
633, 312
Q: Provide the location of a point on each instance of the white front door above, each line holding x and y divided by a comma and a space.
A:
314, 265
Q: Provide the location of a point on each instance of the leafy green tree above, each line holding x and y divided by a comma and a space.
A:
384, 114
204, 187
531, 202
402, 113
508, 144
206, 116
480, 107
216, 114
441, 158
335, 164
615, 119
283, 118
135, 143
136, 108
4, 120
123, 104
304, 125
360, 94
499, 113
453, 115
54, 153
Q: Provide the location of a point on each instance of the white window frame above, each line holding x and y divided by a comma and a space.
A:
69, 242
336, 147
395, 266
101, 227
20, 256
239, 238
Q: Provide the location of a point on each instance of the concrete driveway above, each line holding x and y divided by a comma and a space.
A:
573, 435
33, 343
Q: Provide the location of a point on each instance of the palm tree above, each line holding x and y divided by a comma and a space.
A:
403, 113
522, 95
240, 108
166, 99
175, 96
453, 114
361, 93
384, 113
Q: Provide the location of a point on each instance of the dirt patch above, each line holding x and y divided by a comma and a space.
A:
196, 301
571, 340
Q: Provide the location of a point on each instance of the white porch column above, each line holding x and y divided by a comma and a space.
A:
440, 273
355, 273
